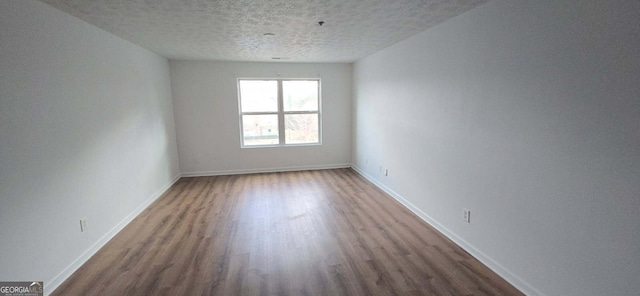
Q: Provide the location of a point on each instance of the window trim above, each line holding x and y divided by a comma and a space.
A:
280, 112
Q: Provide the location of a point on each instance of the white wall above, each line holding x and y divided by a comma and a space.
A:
86, 130
528, 114
207, 123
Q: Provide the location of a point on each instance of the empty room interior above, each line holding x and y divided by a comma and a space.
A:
294, 147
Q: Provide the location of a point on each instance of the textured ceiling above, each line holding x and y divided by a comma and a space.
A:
233, 30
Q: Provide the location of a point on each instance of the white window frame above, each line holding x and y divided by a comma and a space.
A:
281, 113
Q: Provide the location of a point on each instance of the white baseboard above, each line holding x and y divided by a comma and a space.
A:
266, 170
52, 284
95, 247
498, 268
495, 266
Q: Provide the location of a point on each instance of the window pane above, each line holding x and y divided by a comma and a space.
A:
300, 95
259, 95
301, 128
260, 130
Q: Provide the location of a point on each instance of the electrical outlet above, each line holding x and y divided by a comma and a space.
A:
83, 224
467, 215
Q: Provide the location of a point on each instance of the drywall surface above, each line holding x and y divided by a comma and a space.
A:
527, 113
207, 121
86, 131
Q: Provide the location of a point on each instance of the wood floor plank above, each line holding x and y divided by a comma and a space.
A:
327, 232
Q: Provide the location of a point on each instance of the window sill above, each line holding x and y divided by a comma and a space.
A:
281, 146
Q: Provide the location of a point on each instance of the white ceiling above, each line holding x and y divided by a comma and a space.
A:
233, 30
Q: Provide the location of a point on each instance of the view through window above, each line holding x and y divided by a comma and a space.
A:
279, 112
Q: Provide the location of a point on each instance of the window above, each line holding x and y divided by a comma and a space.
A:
279, 112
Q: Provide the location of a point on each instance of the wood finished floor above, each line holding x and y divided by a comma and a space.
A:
326, 232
